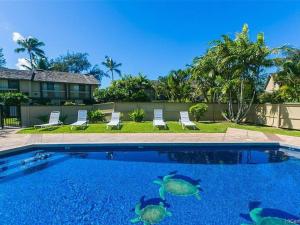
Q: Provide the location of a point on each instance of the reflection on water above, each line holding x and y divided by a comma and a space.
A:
195, 157
110, 155
227, 157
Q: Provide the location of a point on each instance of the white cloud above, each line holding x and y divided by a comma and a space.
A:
22, 61
17, 36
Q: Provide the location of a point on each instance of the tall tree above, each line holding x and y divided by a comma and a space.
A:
288, 75
175, 86
2, 59
33, 47
237, 69
128, 88
97, 73
71, 62
112, 66
241, 65
203, 75
42, 64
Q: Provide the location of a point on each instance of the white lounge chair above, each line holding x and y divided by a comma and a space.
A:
81, 120
53, 120
115, 120
185, 120
158, 120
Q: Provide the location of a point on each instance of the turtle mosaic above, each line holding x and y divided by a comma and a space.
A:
177, 186
151, 214
258, 219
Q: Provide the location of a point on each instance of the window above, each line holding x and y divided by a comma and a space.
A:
9, 85
3, 84
13, 84
52, 90
81, 87
74, 91
79, 91
50, 87
82, 91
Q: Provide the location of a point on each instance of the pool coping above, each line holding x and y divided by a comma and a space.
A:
68, 145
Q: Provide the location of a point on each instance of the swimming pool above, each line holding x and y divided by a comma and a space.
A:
186, 184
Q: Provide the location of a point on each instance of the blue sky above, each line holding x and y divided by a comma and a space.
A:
151, 37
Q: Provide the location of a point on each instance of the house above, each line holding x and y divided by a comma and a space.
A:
49, 86
271, 84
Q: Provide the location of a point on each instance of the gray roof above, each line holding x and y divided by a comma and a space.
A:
48, 76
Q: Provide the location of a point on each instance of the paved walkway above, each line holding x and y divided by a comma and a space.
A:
9, 139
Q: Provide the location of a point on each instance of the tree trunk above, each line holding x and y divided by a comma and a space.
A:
31, 60
112, 75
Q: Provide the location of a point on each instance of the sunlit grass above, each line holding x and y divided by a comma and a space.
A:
173, 127
133, 127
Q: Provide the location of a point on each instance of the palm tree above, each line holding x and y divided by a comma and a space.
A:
97, 73
33, 47
288, 76
112, 66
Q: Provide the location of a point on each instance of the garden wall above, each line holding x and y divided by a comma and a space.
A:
30, 114
170, 110
276, 115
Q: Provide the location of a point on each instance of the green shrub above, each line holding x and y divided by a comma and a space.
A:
270, 97
129, 88
137, 115
198, 110
96, 116
13, 98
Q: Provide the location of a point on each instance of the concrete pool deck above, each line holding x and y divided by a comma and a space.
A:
10, 139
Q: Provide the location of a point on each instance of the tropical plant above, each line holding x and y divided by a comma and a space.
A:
75, 62
288, 75
175, 87
203, 75
270, 97
96, 116
42, 64
101, 95
32, 46
198, 110
112, 66
97, 73
238, 69
129, 88
2, 59
137, 115
13, 98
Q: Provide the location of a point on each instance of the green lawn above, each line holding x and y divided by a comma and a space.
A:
14, 122
265, 129
146, 127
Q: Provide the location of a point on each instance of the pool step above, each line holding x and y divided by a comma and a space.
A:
28, 165
15, 163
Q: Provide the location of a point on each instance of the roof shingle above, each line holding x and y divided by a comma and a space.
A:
48, 76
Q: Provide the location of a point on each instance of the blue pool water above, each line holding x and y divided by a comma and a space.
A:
103, 184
